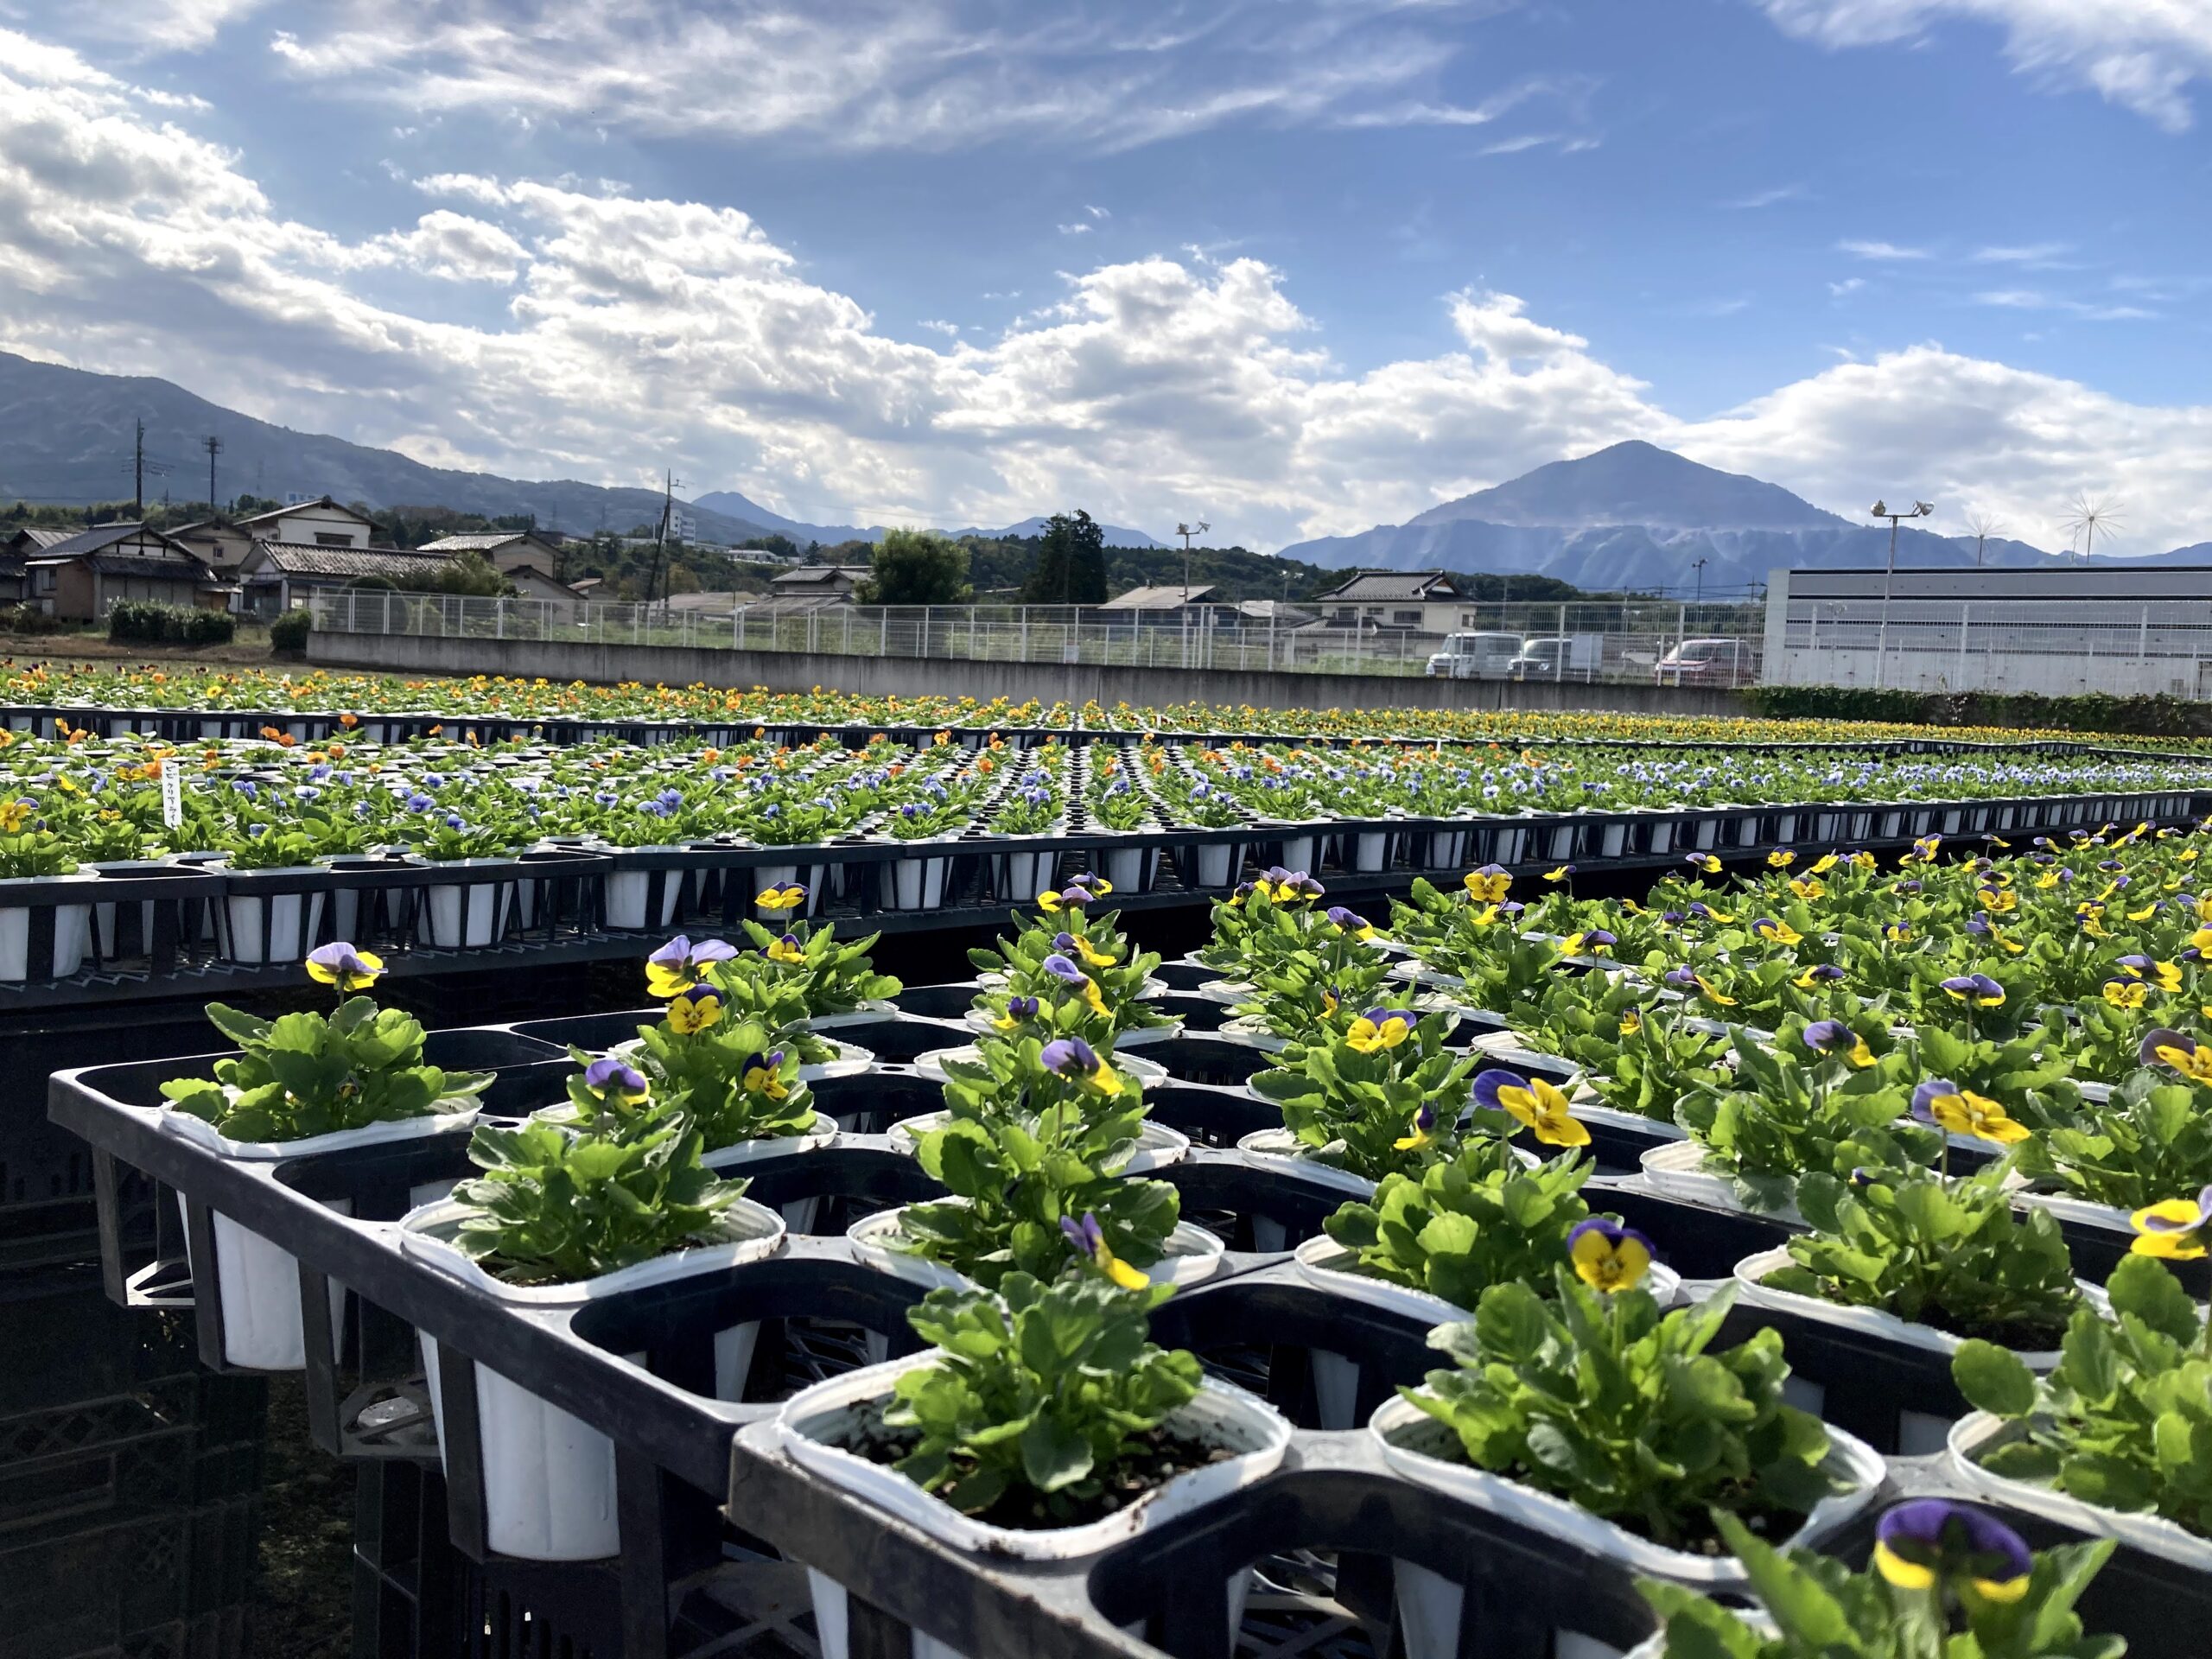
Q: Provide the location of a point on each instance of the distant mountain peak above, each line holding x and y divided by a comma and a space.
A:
1634, 483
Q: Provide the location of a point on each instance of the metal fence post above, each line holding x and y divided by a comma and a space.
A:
1964, 614
1559, 650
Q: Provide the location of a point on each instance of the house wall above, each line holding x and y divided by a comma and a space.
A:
307, 521
74, 594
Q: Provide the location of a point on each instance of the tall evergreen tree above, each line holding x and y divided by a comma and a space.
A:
1070, 568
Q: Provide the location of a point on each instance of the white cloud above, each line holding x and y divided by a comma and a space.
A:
2142, 54
2037, 256
1847, 286
932, 75
148, 26
2030, 299
1758, 198
1882, 250
1096, 213
1077, 229
641, 333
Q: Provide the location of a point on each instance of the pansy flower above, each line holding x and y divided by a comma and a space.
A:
1820, 973
1607, 1256
1976, 990
1833, 1037
1018, 1009
1351, 921
340, 964
1488, 885
1961, 1111
1424, 1126
786, 950
1536, 1104
763, 1075
1933, 1544
790, 896
1705, 863
695, 1010
610, 1074
1068, 898
674, 968
1593, 942
1075, 1059
2174, 1230
1781, 859
1631, 1021
1089, 1240
2126, 993
1776, 931
2185, 1054
1380, 1028
1560, 875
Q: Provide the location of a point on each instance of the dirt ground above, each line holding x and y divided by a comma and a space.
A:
250, 650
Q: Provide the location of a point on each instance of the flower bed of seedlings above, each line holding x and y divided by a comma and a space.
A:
178, 702
130, 858
1102, 1306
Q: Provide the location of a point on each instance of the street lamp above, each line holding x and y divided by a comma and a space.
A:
1880, 510
1186, 531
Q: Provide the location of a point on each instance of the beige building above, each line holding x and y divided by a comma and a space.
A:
312, 523
1423, 601
79, 579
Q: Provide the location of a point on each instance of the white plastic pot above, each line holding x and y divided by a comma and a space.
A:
465, 915
1021, 876
812, 1420
1218, 862
1130, 869
549, 1477
292, 920
1280, 1148
916, 883
1401, 1429
1677, 1170
1978, 1433
932, 1065
1192, 1253
71, 936
629, 898
1157, 1146
258, 1282
1920, 1434
1252, 1032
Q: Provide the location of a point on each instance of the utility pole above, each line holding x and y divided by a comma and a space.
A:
213, 446
660, 534
1880, 510
138, 474
1186, 531
1698, 566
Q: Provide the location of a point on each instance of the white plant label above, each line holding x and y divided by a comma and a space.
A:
172, 795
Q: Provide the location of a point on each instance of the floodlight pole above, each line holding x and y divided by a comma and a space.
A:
1919, 510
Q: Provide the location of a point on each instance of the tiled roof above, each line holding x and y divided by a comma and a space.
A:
1170, 597
147, 568
808, 575
270, 513
347, 563
1378, 585
90, 541
473, 540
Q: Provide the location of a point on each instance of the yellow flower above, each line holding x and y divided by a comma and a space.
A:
787, 898
1097, 1003
14, 815
1607, 1256
695, 1010
2126, 993
1781, 859
1537, 1105
786, 948
341, 965
1825, 862
1489, 884
764, 1079
1091, 954
1713, 995
1961, 1111
2173, 1228
1379, 1028
1631, 1021
1805, 886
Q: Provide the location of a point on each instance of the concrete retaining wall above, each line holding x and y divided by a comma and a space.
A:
911, 676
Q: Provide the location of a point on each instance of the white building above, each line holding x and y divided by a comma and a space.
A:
2066, 628
319, 523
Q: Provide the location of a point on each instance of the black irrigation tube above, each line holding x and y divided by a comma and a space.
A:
680, 1456
550, 904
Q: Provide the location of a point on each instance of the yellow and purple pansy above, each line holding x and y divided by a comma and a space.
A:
2174, 1230
1961, 1111
341, 965
1088, 1239
1607, 1256
1535, 1103
1932, 1544
1379, 1028
675, 968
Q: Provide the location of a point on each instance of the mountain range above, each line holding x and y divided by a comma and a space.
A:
1637, 517
1632, 516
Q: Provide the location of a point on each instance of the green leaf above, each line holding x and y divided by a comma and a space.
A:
1993, 1379
2141, 1286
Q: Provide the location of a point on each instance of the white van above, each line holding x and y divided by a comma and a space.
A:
1475, 657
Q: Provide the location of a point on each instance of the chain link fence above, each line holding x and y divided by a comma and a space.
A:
1595, 642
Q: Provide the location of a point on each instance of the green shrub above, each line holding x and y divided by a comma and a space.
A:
145, 622
29, 618
2090, 711
289, 632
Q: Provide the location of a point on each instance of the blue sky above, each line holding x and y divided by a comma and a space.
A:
1297, 265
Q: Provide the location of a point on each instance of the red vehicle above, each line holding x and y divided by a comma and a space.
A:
1708, 661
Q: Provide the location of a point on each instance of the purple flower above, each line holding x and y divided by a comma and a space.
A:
1827, 1036
1683, 977
1064, 970
1931, 1541
1924, 1097
1021, 1008
610, 1072
1350, 920
1980, 989
1064, 942
1070, 1057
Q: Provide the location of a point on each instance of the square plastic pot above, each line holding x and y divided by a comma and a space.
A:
549, 1477
1253, 1434
45, 941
